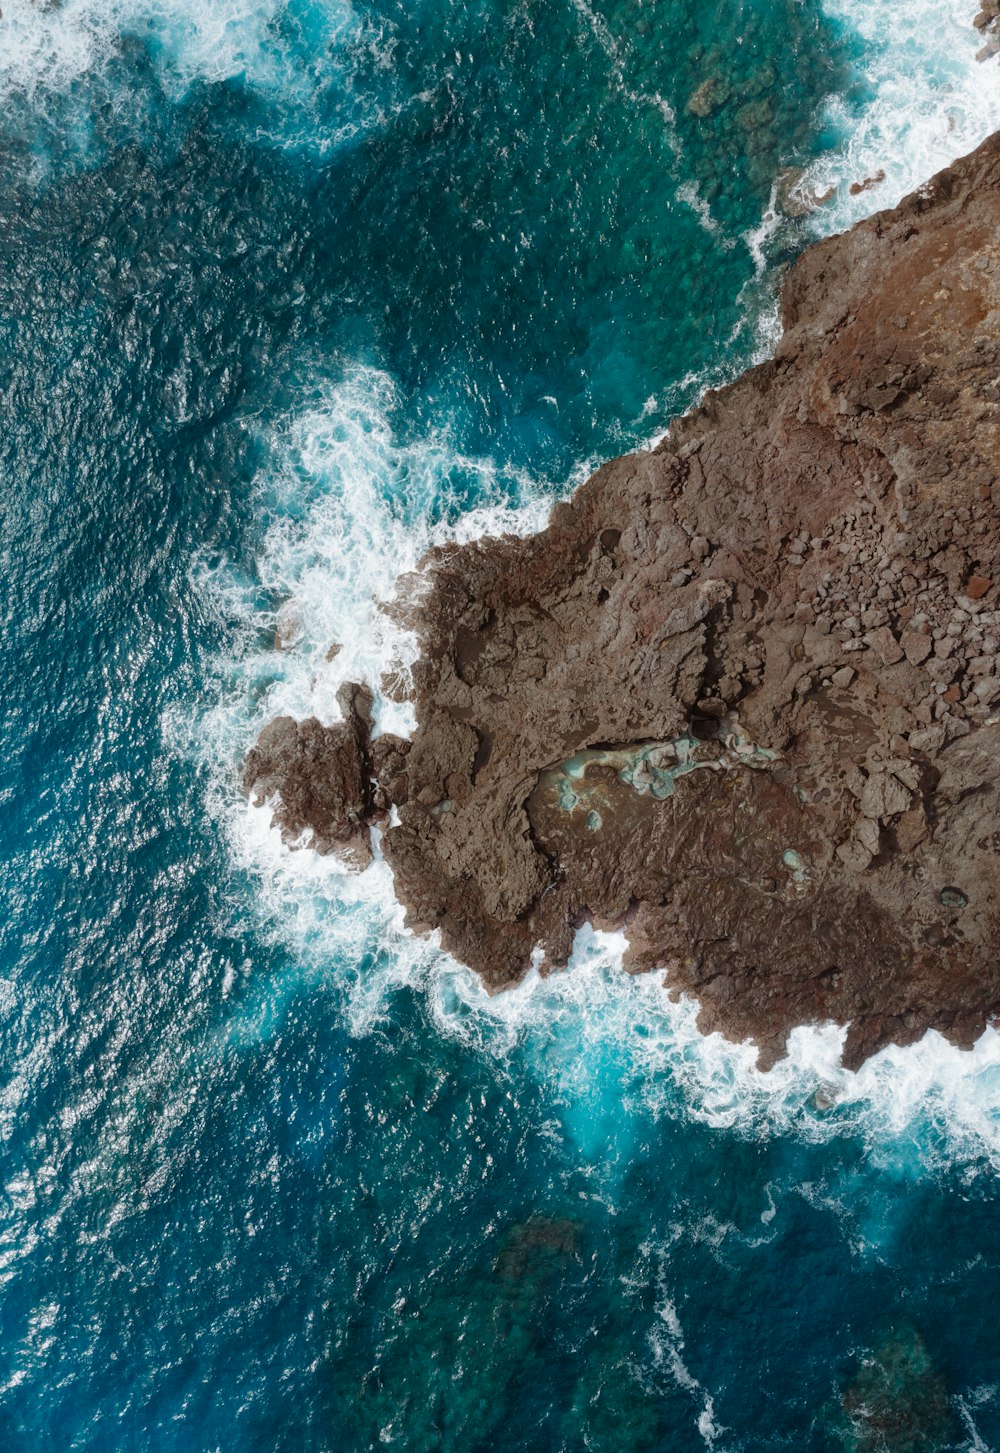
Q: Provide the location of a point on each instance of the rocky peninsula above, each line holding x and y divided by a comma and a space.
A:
738, 697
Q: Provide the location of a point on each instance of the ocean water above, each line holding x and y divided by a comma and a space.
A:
290, 291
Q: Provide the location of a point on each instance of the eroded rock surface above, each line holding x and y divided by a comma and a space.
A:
737, 696
319, 778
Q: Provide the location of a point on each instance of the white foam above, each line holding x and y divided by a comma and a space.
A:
690, 194
917, 1109
348, 511
667, 1346
614, 1048
63, 52
345, 928
348, 508
931, 103
975, 1443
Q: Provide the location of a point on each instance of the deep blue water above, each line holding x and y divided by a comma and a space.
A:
285, 293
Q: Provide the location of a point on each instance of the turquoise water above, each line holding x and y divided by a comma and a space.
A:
290, 291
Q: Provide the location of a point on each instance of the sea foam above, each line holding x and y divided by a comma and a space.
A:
929, 102
61, 74
348, 511
52, 46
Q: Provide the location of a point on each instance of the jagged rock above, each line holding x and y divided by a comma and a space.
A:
791, 198
884, 642
987, 690
856, 188
289, 630
317, 778
884, 796
550, 668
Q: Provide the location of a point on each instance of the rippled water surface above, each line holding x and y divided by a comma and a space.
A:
289, 291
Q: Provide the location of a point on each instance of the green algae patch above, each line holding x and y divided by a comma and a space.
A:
650, 769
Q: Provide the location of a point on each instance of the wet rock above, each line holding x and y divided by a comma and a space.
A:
317, 778
388, 761
856, 188
289, 630
790, 198
794, 199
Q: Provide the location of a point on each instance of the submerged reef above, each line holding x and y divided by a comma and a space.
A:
738, 697
896, 1403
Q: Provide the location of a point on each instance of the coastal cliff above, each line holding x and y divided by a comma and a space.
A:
738, 696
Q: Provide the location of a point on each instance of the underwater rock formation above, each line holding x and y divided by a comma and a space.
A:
896, 1403
738, 695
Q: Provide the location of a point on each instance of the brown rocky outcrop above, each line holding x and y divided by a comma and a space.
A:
319, 778
737, 696
987, 22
